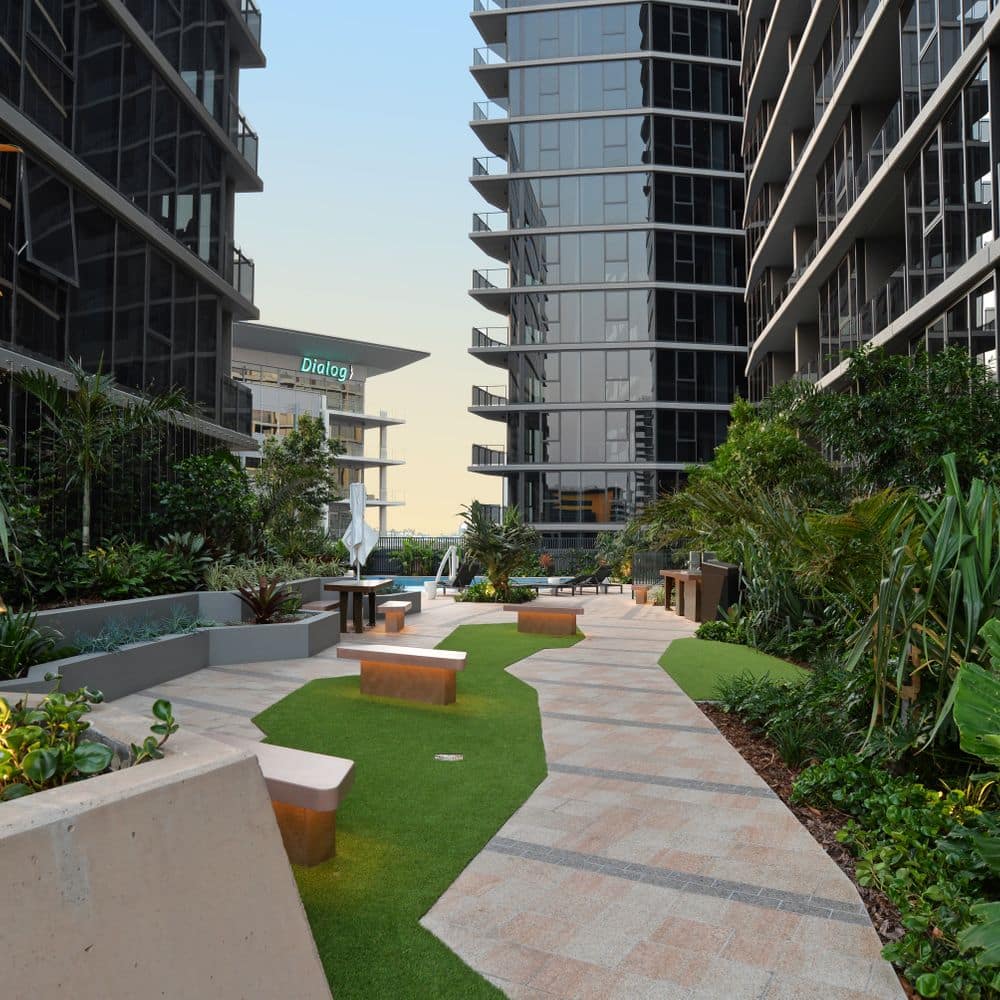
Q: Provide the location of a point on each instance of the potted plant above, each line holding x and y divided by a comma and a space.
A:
548, 565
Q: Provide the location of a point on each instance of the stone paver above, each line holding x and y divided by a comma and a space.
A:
652, 862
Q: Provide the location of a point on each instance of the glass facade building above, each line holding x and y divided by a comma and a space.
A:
294, 372
122, 149
871, 157
617, 182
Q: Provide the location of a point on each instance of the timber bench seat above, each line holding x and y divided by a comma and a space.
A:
425, 675
395, 614
306, 789
321, 606
544, 618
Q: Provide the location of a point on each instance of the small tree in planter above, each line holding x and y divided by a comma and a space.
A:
90, 422
500, 548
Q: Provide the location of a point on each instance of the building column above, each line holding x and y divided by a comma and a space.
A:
383, 479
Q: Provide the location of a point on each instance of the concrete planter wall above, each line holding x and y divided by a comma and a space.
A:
146, 664
121, 874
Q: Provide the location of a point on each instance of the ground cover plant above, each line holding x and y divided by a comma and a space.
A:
411, 823
115, 635
698, 666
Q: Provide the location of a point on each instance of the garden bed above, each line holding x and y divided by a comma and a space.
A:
822, 824
136, 666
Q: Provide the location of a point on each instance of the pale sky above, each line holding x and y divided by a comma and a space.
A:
362, 229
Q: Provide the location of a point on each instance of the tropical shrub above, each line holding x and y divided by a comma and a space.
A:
905, 413
88, 424
24, 644
44, 746
230, 576
419, 558
209, 495
269, 601
486, 593
296, 479
499, 548
939, 588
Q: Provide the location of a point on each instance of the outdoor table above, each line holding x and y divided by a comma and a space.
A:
681, 580
359, 588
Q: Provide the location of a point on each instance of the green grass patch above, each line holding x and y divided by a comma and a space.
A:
698, 665
411, 824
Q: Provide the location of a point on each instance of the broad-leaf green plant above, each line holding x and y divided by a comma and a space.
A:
44, 745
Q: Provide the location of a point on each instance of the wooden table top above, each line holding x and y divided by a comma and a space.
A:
681, 574
356, 586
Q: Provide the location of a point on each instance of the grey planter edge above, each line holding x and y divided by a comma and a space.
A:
143, 665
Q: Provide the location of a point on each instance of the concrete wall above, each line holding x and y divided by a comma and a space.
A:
168, 879
143, 665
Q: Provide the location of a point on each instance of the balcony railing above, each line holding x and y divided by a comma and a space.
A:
838, 197
490, 222
490, 336
243, 274
243, 137
251, 14
488, 166
492, 277
824, 93
489, 455
489, 395
484, 5
490, 55
489, 111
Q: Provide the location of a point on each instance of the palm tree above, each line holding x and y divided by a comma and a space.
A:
91, 420
500, 548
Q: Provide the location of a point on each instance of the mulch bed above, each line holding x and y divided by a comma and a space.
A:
823, 824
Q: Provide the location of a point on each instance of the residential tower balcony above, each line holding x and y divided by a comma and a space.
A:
491, 344
490, 178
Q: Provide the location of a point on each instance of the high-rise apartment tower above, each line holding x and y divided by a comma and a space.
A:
614, 169
871, 150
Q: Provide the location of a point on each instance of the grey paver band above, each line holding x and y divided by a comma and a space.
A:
629, 723
579, 661
606, 687
702, 885
656, 779
261, 675
208, 706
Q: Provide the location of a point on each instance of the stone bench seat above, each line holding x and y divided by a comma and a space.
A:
545, 618
406, 672
395, 614
321, 606
306, 789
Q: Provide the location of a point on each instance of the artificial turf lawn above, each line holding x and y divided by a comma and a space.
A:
411, 824
697, 665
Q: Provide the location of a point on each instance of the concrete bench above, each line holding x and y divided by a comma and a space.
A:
305, 789
321, 606
395, 614
544, 618
425, 675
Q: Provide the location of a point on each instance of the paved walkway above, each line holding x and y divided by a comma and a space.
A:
651, 862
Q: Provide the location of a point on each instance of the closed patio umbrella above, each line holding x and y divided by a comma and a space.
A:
359, 538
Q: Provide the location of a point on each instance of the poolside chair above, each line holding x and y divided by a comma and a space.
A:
602, 580
581, 581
